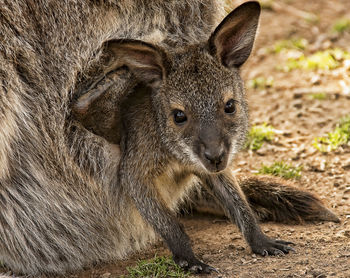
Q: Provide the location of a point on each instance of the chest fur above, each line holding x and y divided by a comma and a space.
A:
174, 184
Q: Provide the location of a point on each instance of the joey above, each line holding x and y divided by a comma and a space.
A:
188, 115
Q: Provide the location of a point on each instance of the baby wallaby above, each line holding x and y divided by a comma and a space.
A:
180, 126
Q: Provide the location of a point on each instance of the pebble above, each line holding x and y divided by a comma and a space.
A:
336, 184
347, 233
346, 165
298, 105
297, 95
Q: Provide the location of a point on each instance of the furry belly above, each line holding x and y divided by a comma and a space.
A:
175, 185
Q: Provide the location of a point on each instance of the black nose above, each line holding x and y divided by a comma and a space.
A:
215, 156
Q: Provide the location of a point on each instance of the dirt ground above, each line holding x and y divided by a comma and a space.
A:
322, 249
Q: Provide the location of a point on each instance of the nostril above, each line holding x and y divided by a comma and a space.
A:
208, 156
221, 156
214, 158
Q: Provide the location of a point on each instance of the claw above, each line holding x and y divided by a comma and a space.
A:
210, 268
196, 269
202, 268
277, 252
267, 246
291, 249
183, 263
193, 265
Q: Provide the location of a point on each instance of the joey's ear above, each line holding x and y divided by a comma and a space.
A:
98, 106
232, 41
147, 62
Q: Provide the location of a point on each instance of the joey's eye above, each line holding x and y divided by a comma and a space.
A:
230, 107
179, 116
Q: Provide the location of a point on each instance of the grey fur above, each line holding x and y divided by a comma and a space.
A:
56, 211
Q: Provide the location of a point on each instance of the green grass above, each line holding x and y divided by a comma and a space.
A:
311, 18
261, 82
341, 25
295, 43
281, 169
266, 4
318, 96
259, 134
328, 59
333, 140
229, 5
156, 267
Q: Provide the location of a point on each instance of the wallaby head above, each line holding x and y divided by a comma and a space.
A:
197, 90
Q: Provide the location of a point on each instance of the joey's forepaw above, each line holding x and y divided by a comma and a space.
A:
267, 246
194, 265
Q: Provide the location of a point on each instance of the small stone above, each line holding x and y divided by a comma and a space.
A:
298, 105
297, 95
340, 234
315, 79
336, 184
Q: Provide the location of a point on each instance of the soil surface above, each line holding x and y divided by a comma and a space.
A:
322, 249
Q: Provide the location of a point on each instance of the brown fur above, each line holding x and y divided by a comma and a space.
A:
272, 199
